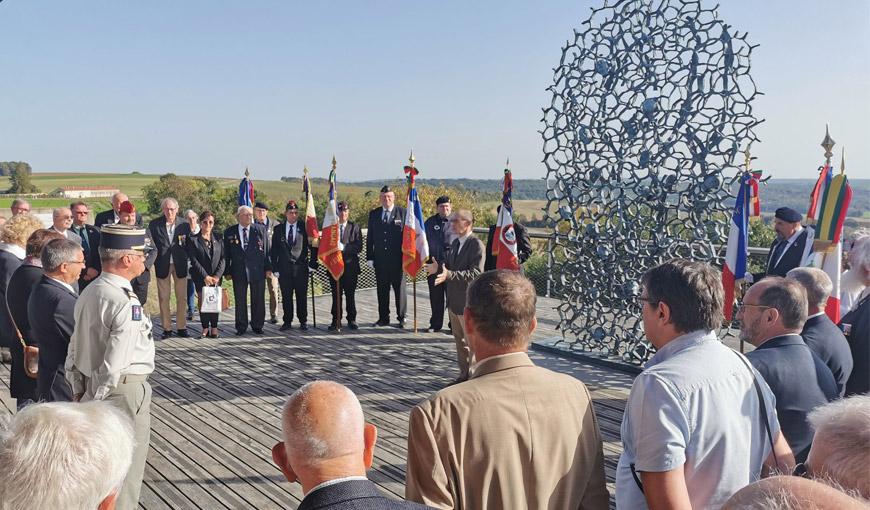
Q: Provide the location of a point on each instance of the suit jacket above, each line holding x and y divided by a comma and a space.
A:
352, 241
50, 310
858, 320
524, 246
826, 340
8, 264
465, 265
513, 436
91, 249
353, 495
204, 261
166, 248
287, 259
105, 217
436, 236
800, 381
384, 241
248, 264
792, 258
69, 234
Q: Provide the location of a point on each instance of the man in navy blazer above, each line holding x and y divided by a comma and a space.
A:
820, 333
772, 315
787, 251
384, 255
291, 259
50, 311
328, 447
246, 251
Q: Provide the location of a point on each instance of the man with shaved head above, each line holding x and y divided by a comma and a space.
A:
328, 447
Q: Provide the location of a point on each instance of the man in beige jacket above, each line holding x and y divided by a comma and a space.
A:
514, 435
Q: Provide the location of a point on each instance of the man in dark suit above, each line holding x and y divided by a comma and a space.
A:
350, 236
524, 245
328, 447
113, 215
464, 264
246, 248
439, 244
140, 283
90, 241
168, 234
384, 254
773, 313
261, 216
820, 333
787, 251
50, 310
290, 259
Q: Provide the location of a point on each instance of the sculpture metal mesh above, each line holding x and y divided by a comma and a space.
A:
652, 103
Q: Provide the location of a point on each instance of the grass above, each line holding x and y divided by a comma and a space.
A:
131, 184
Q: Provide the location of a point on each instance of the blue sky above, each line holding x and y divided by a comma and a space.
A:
209, 87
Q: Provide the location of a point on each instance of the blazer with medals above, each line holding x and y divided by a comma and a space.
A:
287, 259
255, 259
205, 260
384, 241
792, 258
166, 247
465, 264
51, 299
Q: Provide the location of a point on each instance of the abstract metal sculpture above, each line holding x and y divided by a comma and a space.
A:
652, 103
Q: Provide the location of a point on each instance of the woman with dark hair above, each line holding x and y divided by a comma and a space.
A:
205, 251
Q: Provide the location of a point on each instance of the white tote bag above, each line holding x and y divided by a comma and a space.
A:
211, 300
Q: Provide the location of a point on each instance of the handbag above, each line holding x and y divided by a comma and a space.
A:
31, 355
211, 299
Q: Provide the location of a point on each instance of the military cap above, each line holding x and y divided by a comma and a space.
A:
122, 237
443, 199
127, 207
788, 214
343, 206
291, 206
386, 189
261, 205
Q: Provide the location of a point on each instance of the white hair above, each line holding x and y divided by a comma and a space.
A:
859, 256
18, 202
816, 282
57, 252
64, 455
318, 439
58, 211
168, 200
111, 256
844, 426
189, 212
243, 208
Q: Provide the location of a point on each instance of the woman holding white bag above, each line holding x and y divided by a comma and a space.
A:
205, 252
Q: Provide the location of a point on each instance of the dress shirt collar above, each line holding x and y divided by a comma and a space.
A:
464, 238
117, 218
287, 228
14, 249
65, 284
390, 210
335, 481
680, 344
815, 315
782, 340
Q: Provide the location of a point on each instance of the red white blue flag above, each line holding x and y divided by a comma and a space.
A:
329, 252
310, 215
246, 190
415, 249
737, 252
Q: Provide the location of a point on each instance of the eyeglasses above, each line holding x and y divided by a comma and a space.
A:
82, 262
652, 302
745, 305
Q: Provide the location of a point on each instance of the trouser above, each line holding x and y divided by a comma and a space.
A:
52, 385
258, 303
390, 276
133, 396
294, 285
164, 289
272, 289
438, 300
191, 295
463, 353
348, 282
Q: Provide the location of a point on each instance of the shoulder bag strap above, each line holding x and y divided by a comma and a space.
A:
762, 406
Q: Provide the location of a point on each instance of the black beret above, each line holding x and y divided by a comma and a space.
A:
386, 189
342, 206
122, 237
443, 199
261, 205
788, 214
291, 206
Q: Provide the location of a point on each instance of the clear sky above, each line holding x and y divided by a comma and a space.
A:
207, 87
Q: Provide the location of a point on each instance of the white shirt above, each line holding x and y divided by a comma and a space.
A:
851, 290
108, 341
788, 244
14, 249
242, 235
290, 227
335, 481
170, 231
117, 218
65, 284
464, 238
695, 405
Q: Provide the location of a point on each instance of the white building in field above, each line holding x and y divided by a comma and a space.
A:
85, 191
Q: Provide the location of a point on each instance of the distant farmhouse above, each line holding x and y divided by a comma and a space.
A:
85, 191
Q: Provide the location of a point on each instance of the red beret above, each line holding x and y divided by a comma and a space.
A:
127, 207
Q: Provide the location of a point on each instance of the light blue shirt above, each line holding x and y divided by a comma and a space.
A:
695, 405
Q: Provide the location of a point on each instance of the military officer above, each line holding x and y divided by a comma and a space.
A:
439, 244
111, 351
384, 254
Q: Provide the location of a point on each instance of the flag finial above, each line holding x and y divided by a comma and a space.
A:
247, 172
507, 164
333, 162
747, 155
412, 159
305, 169
842, 160
828, 144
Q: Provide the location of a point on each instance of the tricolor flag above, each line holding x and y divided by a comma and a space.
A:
329, 252
310, 214
754, 196
246, 190
415, 249
504, 246
737, 252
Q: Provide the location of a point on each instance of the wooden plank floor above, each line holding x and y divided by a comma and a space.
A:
216, 405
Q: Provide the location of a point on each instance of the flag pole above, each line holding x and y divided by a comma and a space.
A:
747, 165
310, 273
337, 280
411, 160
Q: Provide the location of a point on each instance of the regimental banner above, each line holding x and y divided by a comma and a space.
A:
310, 214
504, 247
329, 252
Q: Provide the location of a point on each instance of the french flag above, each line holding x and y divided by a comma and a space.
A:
737, 252
329, 252
310, 214
415, 248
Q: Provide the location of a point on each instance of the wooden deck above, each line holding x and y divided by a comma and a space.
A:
216, 405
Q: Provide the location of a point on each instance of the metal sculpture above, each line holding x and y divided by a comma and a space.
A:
651, 105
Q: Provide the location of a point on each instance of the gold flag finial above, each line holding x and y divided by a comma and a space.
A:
333, 162
828, 144
247, 173
843, 160
507, 163
747, 158
305, 169
412, 159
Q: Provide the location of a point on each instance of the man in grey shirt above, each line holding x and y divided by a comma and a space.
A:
694, 430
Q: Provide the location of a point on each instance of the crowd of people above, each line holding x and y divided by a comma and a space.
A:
785, 426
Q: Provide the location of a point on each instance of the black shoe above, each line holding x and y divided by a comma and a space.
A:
240, 332
273, 320
447, 332
381, 322
303, 327
285, 326
167, 334
352, 325
190, 316
182, 333
401, 324
258, 331
433, 330
332, 327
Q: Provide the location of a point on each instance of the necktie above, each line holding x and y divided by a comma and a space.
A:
244, 238
84, 235
340, 232
292, 235
386, 217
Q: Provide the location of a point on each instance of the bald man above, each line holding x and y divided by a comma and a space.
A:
328, 447
113, 215
792, 492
